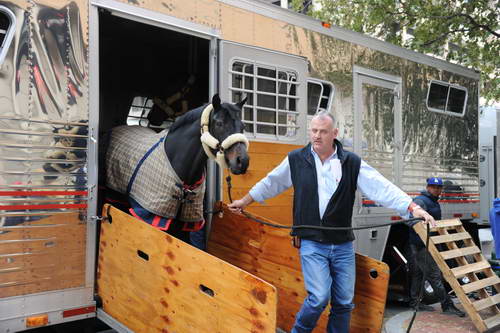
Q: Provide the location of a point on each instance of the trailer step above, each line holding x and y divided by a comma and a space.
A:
456, 245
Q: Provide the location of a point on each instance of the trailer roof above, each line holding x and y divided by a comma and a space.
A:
289, 16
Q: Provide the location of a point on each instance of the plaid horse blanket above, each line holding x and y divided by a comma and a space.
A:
137, 153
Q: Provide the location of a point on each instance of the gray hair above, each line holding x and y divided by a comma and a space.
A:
325, 114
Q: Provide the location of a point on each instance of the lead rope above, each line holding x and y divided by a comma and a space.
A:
315, 227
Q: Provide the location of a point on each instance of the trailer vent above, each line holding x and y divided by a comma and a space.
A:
443, 97
7, 27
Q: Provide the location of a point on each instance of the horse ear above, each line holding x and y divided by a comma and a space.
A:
216, 101
240, 104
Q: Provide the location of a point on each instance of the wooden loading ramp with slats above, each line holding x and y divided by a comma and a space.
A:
458, 246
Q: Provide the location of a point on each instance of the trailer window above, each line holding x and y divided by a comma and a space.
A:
7, 27
139, 110
271, 91
446, 98
319, 96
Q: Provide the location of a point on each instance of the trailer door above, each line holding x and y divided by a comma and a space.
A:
377, 135
274, 114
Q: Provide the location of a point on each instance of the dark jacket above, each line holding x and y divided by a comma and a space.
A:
338, 212
430, 204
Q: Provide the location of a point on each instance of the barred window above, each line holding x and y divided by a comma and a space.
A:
271, 91
7, 27
319, 96
446, 98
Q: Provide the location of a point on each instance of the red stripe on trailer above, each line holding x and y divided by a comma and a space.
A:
459, 194
458, 201
79, 311
40, 193
448, 194
51, 206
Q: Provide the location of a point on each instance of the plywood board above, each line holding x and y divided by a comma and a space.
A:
264, 156
267, 252
178, 288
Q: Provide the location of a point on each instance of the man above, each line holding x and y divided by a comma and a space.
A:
421, 261
325, 178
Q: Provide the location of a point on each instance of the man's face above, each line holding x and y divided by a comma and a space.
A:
322, 133
435, 190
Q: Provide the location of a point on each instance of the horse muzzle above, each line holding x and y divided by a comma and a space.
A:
237, 158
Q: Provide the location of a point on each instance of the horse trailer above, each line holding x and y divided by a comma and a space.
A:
73, 69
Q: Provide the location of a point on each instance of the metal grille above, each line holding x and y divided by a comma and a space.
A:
271, 107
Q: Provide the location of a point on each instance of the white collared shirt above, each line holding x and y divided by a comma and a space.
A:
373, 185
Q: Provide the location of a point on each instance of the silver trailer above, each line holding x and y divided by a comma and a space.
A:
72, 69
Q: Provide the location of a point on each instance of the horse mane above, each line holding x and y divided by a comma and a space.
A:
187, 119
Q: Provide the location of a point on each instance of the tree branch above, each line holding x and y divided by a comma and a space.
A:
472, 21
482, 26
444, 35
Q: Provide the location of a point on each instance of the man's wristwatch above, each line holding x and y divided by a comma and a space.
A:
413, 206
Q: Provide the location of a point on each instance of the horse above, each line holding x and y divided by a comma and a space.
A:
163, 174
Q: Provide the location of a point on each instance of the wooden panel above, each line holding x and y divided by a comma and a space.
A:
475, 267
447, 223
461, 252
165, 292
267, 252
43, 255
450, 237
487, 302
476, 285
264, 157
492, 321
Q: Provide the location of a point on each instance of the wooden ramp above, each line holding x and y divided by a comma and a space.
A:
152, 282
267, 252
457, 245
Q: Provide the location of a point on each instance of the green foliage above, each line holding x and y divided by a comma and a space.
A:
466, 32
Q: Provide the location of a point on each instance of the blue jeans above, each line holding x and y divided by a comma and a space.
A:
329, 272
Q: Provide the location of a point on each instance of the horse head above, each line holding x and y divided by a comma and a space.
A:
225, 120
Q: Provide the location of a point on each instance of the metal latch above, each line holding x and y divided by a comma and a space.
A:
99, 218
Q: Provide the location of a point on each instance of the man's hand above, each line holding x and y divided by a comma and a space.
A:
237, 205
420, 212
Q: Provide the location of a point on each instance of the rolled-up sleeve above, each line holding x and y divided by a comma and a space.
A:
276, 181
377, 188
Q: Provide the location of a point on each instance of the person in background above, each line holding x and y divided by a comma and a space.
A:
325, 179
495, 225
421, 262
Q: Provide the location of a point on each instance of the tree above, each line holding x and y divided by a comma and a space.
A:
466, 32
